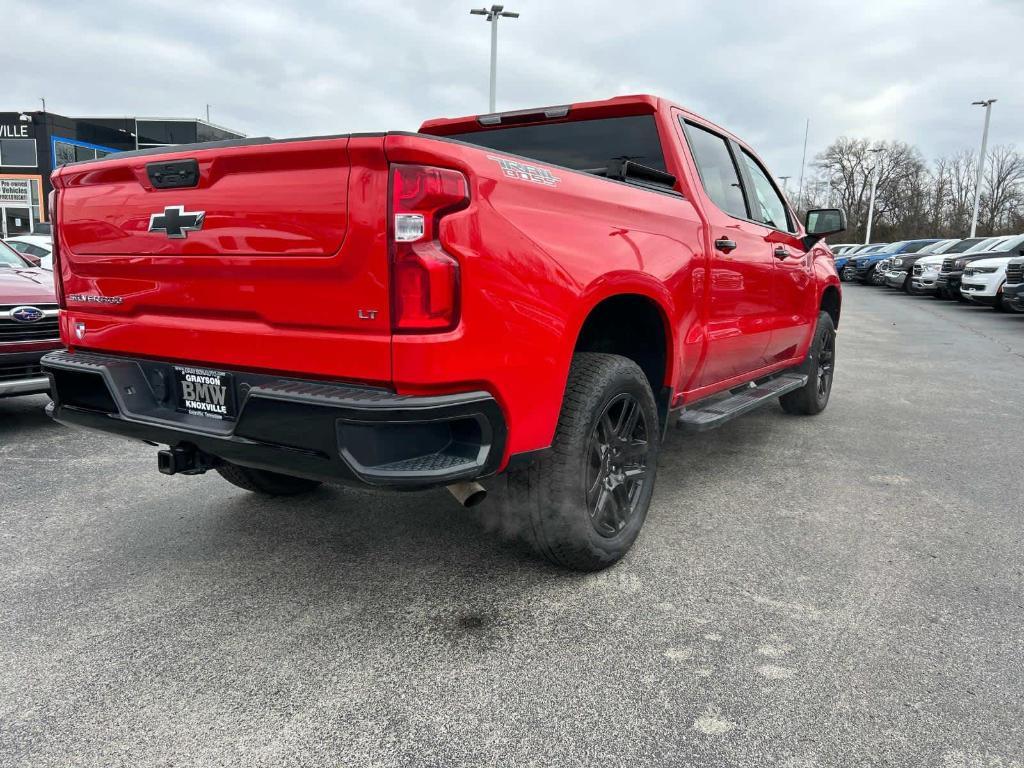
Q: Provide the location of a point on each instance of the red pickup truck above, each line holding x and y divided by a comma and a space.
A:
537, 293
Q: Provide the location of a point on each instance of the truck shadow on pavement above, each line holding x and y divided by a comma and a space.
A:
24, 413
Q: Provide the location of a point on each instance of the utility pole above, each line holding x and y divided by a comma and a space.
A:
496, 12
803, 163
874, 186
207, 113
42, 99
987, 104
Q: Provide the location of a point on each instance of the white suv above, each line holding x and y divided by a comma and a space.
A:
926, 269
983, 280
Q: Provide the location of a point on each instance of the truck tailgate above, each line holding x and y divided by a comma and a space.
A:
285, 271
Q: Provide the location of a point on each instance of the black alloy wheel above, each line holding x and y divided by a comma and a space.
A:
617, 464
826, 361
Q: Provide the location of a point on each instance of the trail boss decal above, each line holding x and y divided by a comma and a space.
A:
525, 171
205, 393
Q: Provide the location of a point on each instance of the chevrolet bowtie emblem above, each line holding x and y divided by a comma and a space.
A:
176, 221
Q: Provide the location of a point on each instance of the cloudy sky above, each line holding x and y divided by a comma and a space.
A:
884, 69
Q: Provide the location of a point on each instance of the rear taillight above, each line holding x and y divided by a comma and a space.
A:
424, 279
58, 279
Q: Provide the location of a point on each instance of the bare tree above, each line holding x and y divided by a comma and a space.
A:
915, 198
1002, 191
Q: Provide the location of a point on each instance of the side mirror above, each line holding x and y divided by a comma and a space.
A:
822, 222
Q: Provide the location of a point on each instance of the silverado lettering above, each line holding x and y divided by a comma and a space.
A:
648, 273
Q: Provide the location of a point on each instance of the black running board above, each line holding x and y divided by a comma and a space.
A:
702, 417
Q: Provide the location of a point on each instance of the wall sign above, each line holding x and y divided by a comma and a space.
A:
15, 191
16, 131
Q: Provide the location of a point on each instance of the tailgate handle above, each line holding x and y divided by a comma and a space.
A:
175, 174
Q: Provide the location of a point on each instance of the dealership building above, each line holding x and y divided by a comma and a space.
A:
32, 144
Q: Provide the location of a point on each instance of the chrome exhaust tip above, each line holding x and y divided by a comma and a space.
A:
468, 494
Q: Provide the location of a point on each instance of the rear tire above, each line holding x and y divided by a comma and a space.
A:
264, 482
819, 366
582, 505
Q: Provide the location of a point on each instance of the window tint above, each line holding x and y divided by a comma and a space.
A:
36, 251
717, 170
20, 153
581, 145
915, 247
160, 132
769, 206
964, 245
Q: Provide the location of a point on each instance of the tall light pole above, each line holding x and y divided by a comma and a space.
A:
874, 186
785, 185
496, 12
987, 104
803, 163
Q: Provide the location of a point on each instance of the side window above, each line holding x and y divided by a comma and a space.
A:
771, 209
717, 170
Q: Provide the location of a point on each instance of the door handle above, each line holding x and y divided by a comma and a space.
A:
781, 253
725, 245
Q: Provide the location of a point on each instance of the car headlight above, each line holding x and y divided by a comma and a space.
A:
984, 270
898, 263
959, 264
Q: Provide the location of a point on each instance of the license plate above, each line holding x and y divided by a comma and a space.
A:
202, 392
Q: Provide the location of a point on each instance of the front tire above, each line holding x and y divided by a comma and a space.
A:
819, 366
999, 305
582, 505
266, 483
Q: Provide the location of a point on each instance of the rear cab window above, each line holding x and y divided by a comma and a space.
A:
582, 145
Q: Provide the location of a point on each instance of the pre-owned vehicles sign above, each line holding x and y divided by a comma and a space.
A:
15, 191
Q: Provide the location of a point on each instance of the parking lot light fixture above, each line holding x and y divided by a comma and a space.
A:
492, 15
987, 104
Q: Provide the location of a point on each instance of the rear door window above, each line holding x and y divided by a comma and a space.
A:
718, 173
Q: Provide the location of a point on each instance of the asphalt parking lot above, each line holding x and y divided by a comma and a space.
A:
842, 590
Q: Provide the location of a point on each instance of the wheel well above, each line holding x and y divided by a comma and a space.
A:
631, 326
831, 303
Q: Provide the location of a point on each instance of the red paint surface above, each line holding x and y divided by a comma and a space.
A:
296, 243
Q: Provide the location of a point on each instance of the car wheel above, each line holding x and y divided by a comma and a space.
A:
582, 505
264, 482
819, 365
999, 305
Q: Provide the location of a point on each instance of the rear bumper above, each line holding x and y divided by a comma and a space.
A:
20, 374
325, 431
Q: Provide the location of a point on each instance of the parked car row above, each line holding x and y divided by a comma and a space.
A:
980, 270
